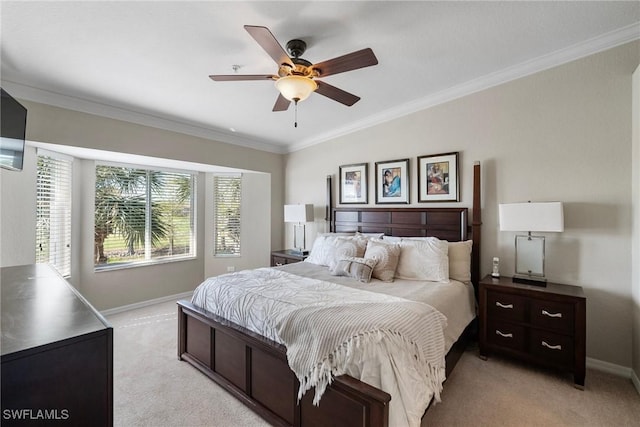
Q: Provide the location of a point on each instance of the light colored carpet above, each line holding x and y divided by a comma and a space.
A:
153, 388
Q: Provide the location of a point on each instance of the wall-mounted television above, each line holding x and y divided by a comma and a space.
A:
13, 123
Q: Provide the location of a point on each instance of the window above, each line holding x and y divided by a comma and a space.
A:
53, 211
142, 216
227, 197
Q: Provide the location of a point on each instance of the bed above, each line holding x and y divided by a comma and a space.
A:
253, 366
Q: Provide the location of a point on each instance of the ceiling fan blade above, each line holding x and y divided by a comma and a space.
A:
350, 61
269, 43
239, 77
336, 94
282, 104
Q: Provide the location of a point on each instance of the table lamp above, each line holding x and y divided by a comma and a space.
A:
299, 214
530, 250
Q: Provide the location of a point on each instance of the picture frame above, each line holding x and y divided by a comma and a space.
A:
438, 179
393, 182
353, 184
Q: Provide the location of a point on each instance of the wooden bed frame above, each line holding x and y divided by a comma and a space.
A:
255, 370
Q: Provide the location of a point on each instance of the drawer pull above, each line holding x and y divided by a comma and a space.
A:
552, 347
546, 313
499, 304
503, 335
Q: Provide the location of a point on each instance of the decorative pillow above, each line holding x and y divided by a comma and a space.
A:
358, 268
460, 260
347, 247
386, 255
424, 259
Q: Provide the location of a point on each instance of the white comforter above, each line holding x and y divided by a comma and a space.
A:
264, 300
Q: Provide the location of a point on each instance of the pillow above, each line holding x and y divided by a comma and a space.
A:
392, 239
321, 251
370, 235
358, 268
460, 260
424, 259
324, 248
386, 255
346, 247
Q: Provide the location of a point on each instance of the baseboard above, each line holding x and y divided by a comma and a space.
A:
635, 380
610, 368
147, 303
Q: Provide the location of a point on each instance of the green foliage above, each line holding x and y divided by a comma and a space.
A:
121, 210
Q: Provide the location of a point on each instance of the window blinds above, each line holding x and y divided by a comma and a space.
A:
53, 212
227, 199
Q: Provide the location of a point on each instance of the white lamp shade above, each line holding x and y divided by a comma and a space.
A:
298, 213
542, 216
296, 87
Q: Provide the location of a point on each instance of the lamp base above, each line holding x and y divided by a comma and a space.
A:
530, 280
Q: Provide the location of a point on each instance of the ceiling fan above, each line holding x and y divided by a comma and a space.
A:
297, 77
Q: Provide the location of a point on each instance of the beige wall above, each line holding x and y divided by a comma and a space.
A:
263, 182
635, 253
18, 213
560, 135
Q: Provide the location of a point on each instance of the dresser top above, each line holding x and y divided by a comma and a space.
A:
550, 288
39, 307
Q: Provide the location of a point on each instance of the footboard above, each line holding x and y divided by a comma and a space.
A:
255, 370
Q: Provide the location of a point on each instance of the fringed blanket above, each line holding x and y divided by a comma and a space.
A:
321, 341
329, 329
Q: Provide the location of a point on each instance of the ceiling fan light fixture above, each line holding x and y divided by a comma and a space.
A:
296, 88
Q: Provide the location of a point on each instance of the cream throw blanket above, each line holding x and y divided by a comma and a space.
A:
322, 341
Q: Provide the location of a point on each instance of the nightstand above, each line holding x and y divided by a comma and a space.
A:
286, 256
541, 325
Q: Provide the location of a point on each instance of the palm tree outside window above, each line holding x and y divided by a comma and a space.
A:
142, 216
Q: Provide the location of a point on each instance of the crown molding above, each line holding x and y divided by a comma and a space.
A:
580, 50
545, 62
42, 96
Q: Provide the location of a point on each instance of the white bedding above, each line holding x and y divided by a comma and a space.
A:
454, 299
261, 305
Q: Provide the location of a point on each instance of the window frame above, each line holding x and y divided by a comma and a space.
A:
64, 215
216, 224
99, 268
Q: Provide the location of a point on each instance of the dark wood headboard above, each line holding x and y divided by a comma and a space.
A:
451, 224
444, 223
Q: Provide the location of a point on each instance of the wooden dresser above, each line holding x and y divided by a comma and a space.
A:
542, 325
57, 352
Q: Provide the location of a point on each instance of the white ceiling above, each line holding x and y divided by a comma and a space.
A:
149, 62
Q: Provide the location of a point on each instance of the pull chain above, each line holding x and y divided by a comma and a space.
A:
295, 120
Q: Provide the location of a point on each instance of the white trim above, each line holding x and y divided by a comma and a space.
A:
96, 107
635, 380
580, 50
610, 368
589, 47
147, 303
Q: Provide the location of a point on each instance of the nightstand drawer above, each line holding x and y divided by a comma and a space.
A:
507, 335
552, 315
505, 306
552, 347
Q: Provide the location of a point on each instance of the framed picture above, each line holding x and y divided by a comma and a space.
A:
438, 178
392, 181
353, 184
